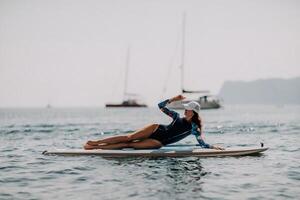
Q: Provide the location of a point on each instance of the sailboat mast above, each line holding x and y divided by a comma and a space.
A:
126, 70
183, 51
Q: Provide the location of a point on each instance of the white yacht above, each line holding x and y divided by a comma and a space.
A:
204, 98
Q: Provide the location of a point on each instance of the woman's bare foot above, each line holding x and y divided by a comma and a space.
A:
89, 147
93, 143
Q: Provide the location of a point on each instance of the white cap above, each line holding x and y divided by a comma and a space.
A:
193, 105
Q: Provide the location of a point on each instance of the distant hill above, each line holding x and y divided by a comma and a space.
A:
263, 91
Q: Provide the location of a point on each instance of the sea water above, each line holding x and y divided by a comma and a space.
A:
27, 174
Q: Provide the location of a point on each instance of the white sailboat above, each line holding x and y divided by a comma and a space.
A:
129, 99
204, 98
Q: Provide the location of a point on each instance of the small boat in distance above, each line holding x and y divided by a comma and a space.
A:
127, 103
130, 99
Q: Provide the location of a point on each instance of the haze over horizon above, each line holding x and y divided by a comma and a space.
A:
73, 53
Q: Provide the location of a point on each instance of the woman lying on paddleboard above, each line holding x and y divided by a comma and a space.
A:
155, 136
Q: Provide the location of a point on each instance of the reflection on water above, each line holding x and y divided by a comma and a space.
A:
182, 173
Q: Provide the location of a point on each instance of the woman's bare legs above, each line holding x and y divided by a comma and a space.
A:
143, 133
143, 144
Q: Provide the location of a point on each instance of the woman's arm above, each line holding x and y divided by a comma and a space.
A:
162, 106
198, 134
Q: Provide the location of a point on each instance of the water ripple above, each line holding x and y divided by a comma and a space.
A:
27, 174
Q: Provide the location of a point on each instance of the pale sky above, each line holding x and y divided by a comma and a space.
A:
73, 52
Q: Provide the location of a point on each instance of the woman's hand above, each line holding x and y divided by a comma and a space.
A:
177, 98
217, 147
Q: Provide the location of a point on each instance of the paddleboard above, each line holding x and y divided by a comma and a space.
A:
167, 151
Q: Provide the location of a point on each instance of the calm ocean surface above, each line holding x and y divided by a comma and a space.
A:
27, 174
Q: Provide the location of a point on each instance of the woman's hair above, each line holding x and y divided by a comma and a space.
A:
197, 120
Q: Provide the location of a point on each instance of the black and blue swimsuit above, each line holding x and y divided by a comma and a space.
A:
178, 129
